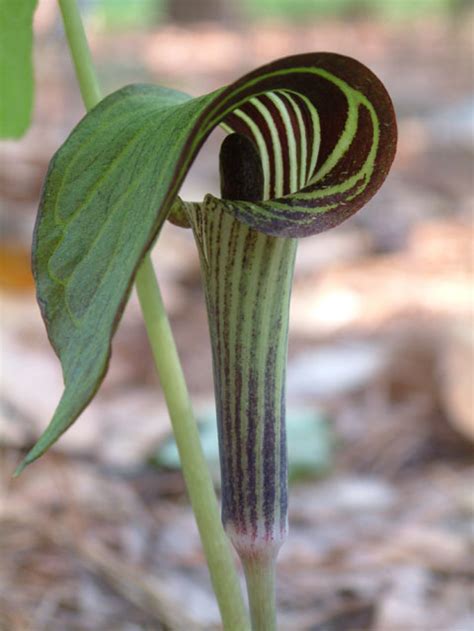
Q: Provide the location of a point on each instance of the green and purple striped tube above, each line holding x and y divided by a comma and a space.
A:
247, 278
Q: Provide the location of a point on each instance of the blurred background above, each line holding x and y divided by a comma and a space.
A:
98, 534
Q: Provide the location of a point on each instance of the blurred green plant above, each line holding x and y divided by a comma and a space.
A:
303, 9
125, 14
16, 66
131, 14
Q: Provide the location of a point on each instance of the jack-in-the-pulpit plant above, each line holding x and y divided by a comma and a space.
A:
310, 140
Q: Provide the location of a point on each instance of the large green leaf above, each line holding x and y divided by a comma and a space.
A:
16, 66
325, 130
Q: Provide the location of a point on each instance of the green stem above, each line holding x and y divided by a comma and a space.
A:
81, 54
260, 578
196, 473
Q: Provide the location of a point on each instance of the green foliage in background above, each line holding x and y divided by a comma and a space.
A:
16, 66
299, 9
117, 14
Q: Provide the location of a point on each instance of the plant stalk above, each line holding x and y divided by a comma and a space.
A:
260, 579
196, 473
80, 53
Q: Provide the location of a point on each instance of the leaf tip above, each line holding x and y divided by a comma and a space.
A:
20, 468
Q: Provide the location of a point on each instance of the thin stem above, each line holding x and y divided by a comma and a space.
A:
196, 473
81, 54
260, 578
195, 470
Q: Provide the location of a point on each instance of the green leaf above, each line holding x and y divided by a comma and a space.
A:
97, 218
325, 129
16, 66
